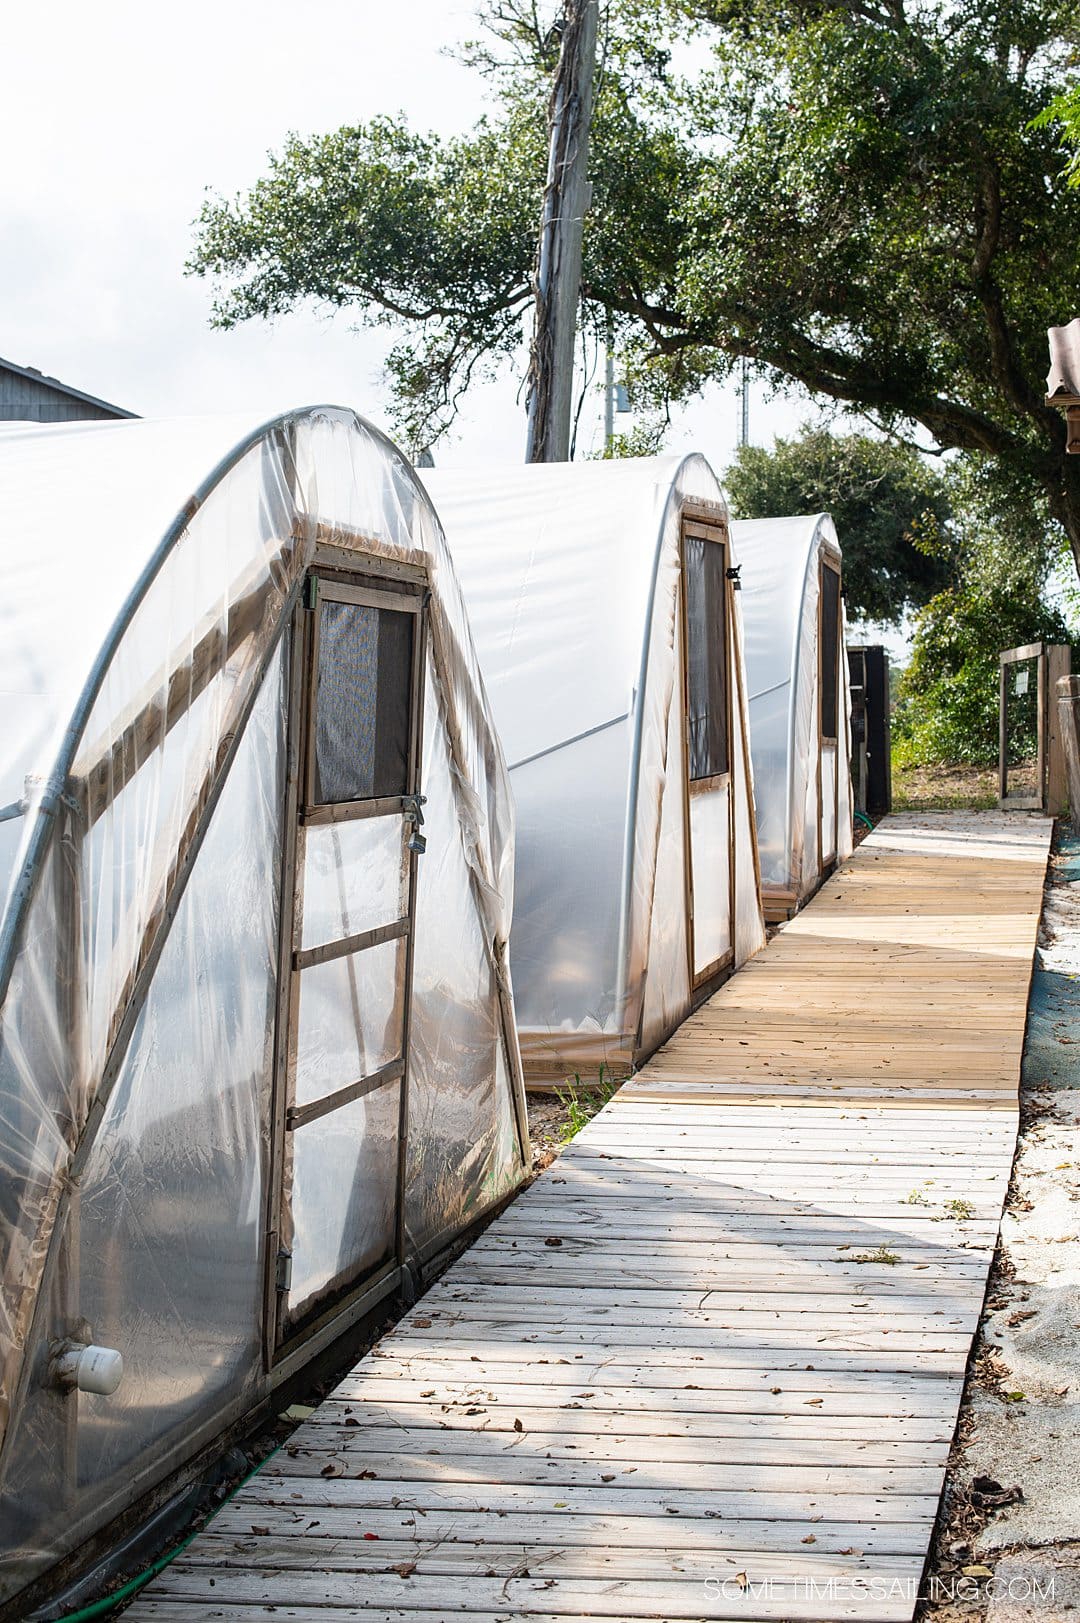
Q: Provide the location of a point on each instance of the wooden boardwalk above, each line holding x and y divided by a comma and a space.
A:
709, 1364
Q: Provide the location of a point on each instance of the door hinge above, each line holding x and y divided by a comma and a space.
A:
283, 1274
311, 592
733, 575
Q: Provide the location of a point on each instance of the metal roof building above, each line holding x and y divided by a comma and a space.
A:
27, 395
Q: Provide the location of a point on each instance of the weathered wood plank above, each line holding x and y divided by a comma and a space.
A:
540, 1410
935, 1401
365, 1437
574, 1530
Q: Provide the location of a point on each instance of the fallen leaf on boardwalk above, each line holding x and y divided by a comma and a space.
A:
261, 1532
811, 1538
607, 1476
421, 1324
553, 1239
366, 1476
332, 1468
560, 1504
404, 1569
851, 1550
351, 1420
742, 1580
775, 1389
430, 1394
813, 1402
369, 1536
518, 1426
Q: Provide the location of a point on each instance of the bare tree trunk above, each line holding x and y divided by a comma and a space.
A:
558, 266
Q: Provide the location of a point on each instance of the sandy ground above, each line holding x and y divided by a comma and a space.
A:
944, 788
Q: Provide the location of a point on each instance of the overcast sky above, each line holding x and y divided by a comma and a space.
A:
115, 120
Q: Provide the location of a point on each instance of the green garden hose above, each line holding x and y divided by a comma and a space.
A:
107, 1603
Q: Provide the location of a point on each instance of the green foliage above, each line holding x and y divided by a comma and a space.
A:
1003, 552
891, 512
1063, 115
644, 439
406, 230
851, 193
581, 1101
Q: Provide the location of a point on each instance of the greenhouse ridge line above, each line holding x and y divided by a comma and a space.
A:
709, 1308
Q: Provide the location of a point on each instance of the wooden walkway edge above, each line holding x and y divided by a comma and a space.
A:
709, 1365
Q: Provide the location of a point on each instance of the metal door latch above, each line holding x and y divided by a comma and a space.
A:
411, 806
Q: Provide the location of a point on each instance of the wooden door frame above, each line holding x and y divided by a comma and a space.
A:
826, 563
363, 579
709, 524
1053, 660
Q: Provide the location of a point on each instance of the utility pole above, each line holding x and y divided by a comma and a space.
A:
609, 384
744, 415
558, 263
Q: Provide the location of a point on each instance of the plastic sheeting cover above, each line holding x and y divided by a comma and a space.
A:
781, 560
148, 570
572, 577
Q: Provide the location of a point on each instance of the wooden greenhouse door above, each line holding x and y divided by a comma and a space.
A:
355, 815
830, 721
706, 601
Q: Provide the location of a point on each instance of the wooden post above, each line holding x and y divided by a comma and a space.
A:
1058, 663
558, 269
1067, 699
1003, 734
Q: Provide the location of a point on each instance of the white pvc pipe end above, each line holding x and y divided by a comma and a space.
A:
90, 1369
